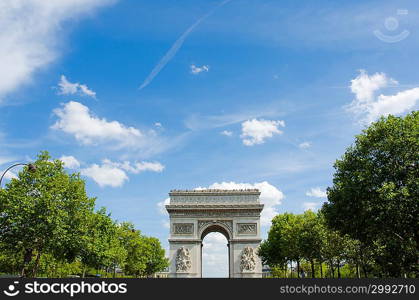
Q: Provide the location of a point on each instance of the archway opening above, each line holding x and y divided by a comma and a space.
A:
215, 256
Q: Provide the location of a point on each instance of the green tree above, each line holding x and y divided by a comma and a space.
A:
156, 260
310, 238
102, 247
375, 193
284, 242
44, 212
145, 256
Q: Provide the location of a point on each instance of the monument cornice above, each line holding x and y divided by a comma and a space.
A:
195, 241
206, 207
212, 192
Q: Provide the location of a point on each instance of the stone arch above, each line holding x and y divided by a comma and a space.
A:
216, 227
195, 213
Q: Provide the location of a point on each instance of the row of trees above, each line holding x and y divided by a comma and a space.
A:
49, 227
371, 220
303, 243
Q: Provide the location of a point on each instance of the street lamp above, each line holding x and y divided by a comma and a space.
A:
31, 167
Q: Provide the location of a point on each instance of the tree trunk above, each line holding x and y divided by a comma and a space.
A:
365, 271
36, 267
358, 275
321, 270
26, 260
290, 268
313, 271
298, 268
332, 269
338, 269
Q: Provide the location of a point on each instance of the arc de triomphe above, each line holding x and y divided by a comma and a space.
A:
195, 213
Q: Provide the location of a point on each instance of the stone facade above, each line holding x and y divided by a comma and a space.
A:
195, 213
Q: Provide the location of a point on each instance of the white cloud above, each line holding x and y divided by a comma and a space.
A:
166, 224
369, 108
364, 86
70, 162
256, 131
310, 205
226, 133
316, 192
105, 175
394, 104
8, 175
76, 119
136, 167
31, 33
214, 255
68, 88
270, 196
148, 166
114, 174
305, 145
196, 70
158, 124
162, 206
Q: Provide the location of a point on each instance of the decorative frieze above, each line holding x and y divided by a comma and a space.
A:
183, 228
247, 228
214, 196
215, 213
226, 223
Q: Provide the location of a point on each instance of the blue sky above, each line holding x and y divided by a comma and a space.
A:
257, 93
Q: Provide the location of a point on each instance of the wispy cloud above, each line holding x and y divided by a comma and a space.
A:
196, 70
70, 88
70, 161
317, 193
176, 46
30, 32
114, 174
226, 133
200, 122
304, 145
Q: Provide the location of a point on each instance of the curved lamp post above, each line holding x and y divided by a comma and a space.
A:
31, 167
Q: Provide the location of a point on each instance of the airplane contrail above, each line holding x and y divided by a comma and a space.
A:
176, 46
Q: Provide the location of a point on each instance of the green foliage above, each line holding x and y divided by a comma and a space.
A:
304, 243
44, 211
48, 226
375, 194
102, 246
144, 254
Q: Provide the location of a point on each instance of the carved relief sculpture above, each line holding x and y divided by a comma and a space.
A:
244, 228
183, 260
248, 260
183, 228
